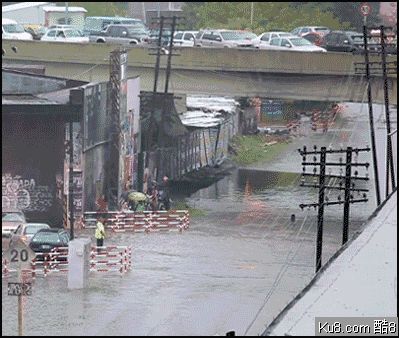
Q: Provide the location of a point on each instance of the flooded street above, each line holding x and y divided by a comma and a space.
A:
207, 280
243, 257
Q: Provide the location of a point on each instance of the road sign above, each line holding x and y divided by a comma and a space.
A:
19, 256
20, 289
365, 9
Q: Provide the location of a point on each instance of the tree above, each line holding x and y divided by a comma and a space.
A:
100, 8
349, 12
190, 13
266, 15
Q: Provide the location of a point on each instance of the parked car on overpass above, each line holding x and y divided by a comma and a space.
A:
123, 34
222, 38
10, 29
315, 38
37, 31
293, 43
301, 31
343, 41
184, 38
64, 35
95, 24
264, 38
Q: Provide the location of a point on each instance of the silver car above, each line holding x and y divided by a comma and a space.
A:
293, 43
26, 231
222, 38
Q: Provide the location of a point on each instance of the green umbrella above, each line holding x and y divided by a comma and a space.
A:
137, 196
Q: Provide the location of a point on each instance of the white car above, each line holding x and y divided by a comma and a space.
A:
184, 39
13, 30
294, 43
264, 39
64, 35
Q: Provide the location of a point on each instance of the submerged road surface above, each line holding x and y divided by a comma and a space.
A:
243, 258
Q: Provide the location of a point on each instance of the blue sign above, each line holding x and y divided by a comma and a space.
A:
272, 108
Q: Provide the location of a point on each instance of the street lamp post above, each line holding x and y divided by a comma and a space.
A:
70, 202
252, 13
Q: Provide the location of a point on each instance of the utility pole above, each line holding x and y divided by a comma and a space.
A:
371, 116
158, 60
390, 170
70, 201
252, 13
322, 186
170, 51
66, 14
377, 69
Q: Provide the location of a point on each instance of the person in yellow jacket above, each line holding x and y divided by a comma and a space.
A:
100, 232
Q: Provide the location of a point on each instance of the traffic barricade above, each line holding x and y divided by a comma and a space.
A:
111, 259
146, 221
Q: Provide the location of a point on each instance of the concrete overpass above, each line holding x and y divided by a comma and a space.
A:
234, 72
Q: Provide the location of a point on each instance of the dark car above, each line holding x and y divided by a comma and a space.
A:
343, 41
47, 239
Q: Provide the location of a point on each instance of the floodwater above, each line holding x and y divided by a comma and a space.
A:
235, 268
243, 256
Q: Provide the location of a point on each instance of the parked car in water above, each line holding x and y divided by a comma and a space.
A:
26, 231
264, 39
47, 239
122, 34
64, 35
222, 38
184, 38
293, 43
10, 221
343, 41
10, 29
301, 31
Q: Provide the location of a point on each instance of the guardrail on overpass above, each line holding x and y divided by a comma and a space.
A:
254, 68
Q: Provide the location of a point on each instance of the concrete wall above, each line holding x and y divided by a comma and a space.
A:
279, 74
238, 60
32, 158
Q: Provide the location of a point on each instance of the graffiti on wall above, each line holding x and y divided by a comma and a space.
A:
25, 194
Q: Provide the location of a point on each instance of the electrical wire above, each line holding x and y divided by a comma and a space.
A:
286, 265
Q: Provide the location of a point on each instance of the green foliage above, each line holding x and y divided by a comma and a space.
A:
253, 148
194, 212
100, 8
269, 16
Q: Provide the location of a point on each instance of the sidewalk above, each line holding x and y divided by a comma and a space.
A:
359, 281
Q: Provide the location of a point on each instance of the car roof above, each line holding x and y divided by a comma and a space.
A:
187, 32
52, 230
36, 224
276, 32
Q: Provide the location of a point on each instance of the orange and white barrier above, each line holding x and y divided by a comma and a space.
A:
111, 259
146, 221
102, 259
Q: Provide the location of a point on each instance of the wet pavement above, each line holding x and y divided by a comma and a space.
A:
244, 256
